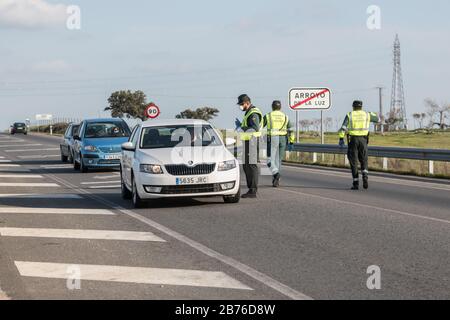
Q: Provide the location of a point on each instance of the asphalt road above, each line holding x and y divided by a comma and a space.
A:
312, 238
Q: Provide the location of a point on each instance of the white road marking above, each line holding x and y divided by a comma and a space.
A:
107, 177
354, 204
9, 165
40, 156
396, 181
57, 166
31, 185
5, 161
19, 145
156, 276
99, 182
80, 234
2, 157
245, 269
40, 196
62, 211
106, 187
22, 176
31, 150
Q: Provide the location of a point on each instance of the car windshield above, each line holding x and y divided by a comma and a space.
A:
19, 124
106, 130
179, 136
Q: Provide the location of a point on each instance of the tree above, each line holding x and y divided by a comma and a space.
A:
127, 104
205, 113
416, 117
438, 113
419, 118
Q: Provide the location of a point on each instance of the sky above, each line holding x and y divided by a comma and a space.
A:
189, 54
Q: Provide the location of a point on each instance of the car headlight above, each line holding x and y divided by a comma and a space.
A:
151, 168
91, 148
227, 165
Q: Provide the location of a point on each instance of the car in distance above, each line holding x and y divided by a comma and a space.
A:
19, 127
66, 145
178, 158
97, 144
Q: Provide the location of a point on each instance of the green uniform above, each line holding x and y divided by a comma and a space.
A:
279, 131
357, 126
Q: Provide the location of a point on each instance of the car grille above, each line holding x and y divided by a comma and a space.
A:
191, 189
110, 149
103, 161
184, 170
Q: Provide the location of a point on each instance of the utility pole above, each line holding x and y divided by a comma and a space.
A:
380, 93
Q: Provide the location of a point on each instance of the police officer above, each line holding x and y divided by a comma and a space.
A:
356, 126
250, 134
279, 136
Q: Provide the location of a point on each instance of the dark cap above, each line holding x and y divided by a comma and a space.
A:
357, 104
276, 104
243, 98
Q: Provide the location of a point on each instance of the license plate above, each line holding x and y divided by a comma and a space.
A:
113, 157
191, 180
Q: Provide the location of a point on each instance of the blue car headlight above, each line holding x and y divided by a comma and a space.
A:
91, 148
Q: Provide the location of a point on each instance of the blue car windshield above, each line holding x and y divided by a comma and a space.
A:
106, 130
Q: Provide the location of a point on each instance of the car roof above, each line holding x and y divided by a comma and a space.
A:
103, 120
172, 122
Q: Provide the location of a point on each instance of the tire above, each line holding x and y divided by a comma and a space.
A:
83, 168
76, 165
63, 157
233, 199
137, 201
126, 194
70, 157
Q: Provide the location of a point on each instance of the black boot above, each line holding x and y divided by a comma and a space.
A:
251, 194
366, 182
276, 180
355, 186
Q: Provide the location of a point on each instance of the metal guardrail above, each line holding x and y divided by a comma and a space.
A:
380, 152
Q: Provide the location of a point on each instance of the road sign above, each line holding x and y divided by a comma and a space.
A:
43, 117
310, 98
152, 111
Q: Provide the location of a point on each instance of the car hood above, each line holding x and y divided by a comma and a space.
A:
184, 155
103, 142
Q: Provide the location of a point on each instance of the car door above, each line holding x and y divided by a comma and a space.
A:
128, 156
65, 144
78, 143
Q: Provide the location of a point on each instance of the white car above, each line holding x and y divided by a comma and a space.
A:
178, 158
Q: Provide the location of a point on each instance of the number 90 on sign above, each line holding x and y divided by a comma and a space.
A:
152, 111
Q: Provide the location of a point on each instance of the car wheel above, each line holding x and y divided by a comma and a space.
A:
83, 168
126, 194
70, 157
63, 157
137, 201
76, 165
233, 199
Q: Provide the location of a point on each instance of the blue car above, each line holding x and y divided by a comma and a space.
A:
98, 144
66, 145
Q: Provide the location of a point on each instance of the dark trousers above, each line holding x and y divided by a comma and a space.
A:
250, 166
357, 151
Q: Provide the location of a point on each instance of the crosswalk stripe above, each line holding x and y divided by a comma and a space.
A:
155, 276
57, 166
5, 161
40, 196
9, 165
105, 187
31, 150
22, 176
80, 234
40, 156
99, 182
20, 145
61, 211
31, 185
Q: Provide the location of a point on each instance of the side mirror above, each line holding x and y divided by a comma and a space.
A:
230, 142
76, 137
128, 146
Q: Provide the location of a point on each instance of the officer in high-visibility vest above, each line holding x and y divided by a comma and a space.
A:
356, 126
250, 132
279, 136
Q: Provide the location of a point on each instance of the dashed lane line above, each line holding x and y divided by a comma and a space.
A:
30, 150
56, 211
29, 185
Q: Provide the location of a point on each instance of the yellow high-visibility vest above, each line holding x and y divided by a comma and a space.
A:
277, 123
246, 136
358, 123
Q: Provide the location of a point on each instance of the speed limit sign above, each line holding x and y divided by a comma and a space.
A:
152, 111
